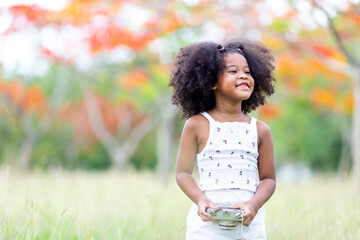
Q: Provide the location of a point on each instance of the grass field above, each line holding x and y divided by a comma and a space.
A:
135, 206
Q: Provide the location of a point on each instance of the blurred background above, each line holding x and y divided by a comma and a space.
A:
89, 136
84, 83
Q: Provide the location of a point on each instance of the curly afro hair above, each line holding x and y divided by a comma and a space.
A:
197, 68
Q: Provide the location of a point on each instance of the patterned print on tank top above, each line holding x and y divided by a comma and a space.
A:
229, 159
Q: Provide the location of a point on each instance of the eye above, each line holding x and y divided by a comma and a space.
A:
247, 72
233, 71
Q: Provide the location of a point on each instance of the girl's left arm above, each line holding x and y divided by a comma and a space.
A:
267, 176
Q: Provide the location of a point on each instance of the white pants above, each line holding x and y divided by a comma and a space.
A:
197, 229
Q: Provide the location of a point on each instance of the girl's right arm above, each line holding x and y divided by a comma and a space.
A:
185, 165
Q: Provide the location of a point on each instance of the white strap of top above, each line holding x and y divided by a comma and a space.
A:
205, 114
253, 122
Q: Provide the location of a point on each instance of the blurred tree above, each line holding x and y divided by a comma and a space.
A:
344, 28
122, 142
122, 53
100, 39
138, 35
326, 36
33, 110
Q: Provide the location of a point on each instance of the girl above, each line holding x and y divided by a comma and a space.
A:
215, 87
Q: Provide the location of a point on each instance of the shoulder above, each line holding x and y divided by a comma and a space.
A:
196, 122
263, 130
194, 128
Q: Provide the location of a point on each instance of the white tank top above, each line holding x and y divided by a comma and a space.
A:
229, 158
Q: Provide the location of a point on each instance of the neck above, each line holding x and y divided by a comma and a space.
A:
228, 112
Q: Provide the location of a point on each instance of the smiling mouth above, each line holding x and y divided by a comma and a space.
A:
243, 85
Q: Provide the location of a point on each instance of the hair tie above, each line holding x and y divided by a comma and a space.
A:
220, 48
240, 50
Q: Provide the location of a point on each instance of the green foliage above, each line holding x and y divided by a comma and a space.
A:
145, 156
322, 150
10, 138
94, 157
52, 148
9, 142
280, 25
303, 134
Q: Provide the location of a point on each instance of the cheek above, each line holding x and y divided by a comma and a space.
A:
252, 83
253, 88
252, 91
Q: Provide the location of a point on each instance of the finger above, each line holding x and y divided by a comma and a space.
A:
247, 221
212, 205
205, 216
246, 214
202, 213
205, 219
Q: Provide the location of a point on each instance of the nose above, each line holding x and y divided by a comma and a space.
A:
242, 75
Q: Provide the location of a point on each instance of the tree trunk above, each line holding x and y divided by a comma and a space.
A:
119, 158
118, 151
356, 130
26, 150
345, 158
165, 142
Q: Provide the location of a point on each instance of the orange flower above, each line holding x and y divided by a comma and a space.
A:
13, 90
134, 79
29, 99
269, 111
325, 50
34, 99
32, 13
324, 98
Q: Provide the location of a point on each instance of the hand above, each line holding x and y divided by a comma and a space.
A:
203, 204
249, 212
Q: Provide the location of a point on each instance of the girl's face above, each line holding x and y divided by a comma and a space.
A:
235, 82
